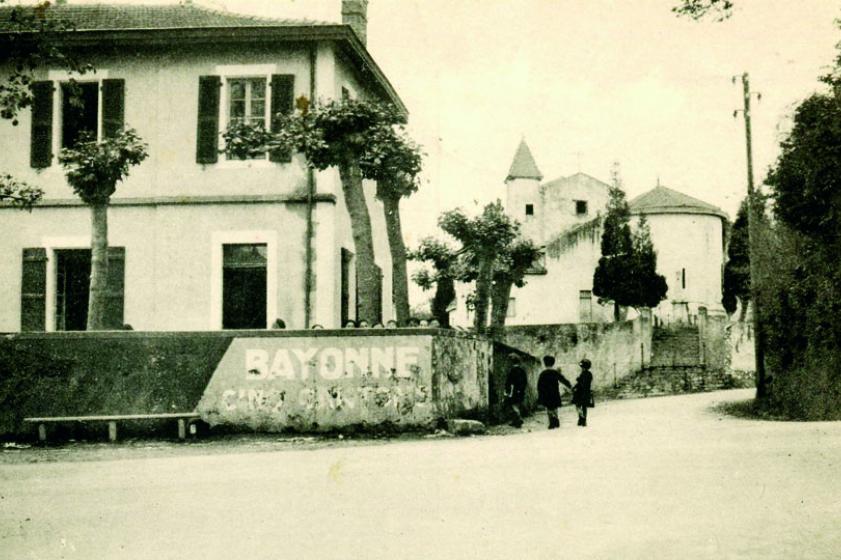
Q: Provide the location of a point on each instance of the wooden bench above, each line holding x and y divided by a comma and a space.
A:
182, 417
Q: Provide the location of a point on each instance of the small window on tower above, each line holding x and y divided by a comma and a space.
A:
581, 207
529, 209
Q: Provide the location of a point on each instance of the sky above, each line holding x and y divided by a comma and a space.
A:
586, 83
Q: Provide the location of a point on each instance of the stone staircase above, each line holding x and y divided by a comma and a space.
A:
677, 366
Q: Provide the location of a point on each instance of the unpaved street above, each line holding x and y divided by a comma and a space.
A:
650, 478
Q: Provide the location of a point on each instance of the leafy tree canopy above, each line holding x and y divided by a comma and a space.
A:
94, 168
807, 176
699, 9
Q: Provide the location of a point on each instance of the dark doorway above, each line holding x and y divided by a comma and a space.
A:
73, 273
244, 286
80, 112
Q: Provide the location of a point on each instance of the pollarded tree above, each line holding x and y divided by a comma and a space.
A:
443, 275
394, 161
93, 170
511, 267
347, 134
482, 238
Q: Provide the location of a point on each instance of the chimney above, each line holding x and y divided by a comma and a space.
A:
355, 14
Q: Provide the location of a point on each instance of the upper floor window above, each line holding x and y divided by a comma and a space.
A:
529, 209
79, 112
580, 207
247, 103
241, 94
62, 112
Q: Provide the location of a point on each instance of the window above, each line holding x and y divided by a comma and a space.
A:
683, 278
585, 306
79, 112
347, 263
539, 265
345, 94
580, 207
529, 209
247, 103
248, 93
244, 286
95, 108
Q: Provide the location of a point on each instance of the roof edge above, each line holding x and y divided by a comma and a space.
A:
339, 33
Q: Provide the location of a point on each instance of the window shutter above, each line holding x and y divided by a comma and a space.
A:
41, 147
283, 101
33, 299
207, 138
116, 288
113, 107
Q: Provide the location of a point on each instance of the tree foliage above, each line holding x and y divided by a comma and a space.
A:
801, 272
94, 168
699, 9
18, 192
627, 271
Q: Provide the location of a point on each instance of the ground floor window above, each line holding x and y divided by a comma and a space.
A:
73, 271
244, 286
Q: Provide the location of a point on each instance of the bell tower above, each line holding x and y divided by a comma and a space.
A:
523, 200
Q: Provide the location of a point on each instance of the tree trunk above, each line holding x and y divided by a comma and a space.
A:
445, 293
399, 276
99, 268
360, 222
500, 296
617, 312
483, 293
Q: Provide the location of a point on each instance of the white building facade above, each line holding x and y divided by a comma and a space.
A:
564, 217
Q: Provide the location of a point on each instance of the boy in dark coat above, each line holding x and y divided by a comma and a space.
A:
582, 394
549, 390
515, 389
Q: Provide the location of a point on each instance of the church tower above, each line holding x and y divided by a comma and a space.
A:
523, 200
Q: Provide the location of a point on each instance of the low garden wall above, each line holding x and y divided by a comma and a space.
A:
256, 380
615, 349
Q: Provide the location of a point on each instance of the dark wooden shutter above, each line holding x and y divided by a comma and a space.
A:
347, 257
116, 288
41, 146
283, 101
113, 107
207, 139
33, 298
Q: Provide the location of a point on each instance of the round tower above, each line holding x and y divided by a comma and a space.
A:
523, 199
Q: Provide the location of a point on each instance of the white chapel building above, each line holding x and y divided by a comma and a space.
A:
687, 233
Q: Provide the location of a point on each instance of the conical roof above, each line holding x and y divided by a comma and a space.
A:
663, 200
523, 166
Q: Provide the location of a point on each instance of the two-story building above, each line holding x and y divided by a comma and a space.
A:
198, 241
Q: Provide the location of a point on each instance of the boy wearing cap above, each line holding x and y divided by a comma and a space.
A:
549, 390
582, 394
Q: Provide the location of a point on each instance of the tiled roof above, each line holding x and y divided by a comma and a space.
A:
662, 200
103, 17
523, 166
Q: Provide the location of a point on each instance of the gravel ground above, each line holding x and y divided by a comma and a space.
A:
650, 478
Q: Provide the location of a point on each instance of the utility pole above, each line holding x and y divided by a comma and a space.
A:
753, 239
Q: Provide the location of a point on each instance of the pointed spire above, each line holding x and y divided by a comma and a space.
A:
523, 166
